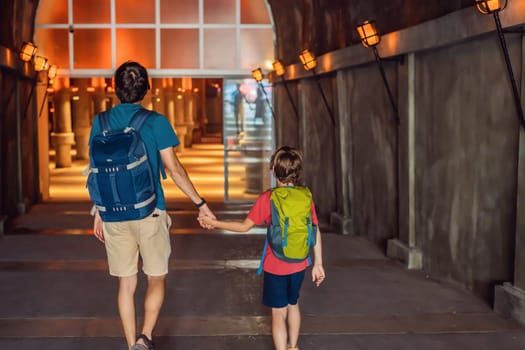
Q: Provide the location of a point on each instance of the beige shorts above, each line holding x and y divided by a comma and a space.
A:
148, 237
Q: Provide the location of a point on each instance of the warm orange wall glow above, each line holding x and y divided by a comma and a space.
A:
88, 41
137, 45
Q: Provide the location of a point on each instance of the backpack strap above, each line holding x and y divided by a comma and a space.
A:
139, 118
103, 119
263, 256
136, 123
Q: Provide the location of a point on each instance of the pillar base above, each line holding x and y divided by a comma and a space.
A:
62, 143
342, 224
82, 142
188, 137
181, 132
411, 257
509, 301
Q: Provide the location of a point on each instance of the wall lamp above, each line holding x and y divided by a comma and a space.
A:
280, 71
370, 38
258, 75
27, 51
40, 63
309, 62
52, 74
493, 7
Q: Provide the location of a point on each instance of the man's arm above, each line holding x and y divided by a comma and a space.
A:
180, 177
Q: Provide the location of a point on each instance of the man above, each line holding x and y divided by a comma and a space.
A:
148, 236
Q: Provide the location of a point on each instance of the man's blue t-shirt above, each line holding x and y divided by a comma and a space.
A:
156, 133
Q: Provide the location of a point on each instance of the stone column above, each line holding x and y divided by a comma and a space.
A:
63, 138
404, 247
342, 221
509, 298
157, 96
81, 113
98, 96
189, 116
180, 127
169, 97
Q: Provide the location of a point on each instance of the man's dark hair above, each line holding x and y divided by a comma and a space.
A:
131, 82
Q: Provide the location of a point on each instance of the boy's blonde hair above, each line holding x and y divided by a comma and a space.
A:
286, 164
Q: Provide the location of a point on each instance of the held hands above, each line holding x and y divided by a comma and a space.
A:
318, 274
206, 217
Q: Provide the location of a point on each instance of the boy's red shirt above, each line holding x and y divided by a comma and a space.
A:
261, 213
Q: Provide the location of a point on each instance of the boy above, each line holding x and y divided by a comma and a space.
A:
125, 239
282, 279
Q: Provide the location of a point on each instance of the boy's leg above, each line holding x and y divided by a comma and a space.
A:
279, 329
126, 306
294, 324
294, 313
152, 304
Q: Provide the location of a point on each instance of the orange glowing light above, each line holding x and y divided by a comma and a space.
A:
490, 6
40, 63
368, 34
278, 68
308, 60
52, 72
90, 89
27, 51
257, 74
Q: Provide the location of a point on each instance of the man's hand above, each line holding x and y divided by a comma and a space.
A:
318, 274
98, 230
205, 212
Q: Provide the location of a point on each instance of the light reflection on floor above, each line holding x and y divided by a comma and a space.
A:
204, 163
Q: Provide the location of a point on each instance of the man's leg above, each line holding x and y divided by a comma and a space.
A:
279, 331
126, 306
152, 304
294, 324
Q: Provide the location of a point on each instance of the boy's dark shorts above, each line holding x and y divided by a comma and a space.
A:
281, 291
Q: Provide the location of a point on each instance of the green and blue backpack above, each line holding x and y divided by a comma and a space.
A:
291, 233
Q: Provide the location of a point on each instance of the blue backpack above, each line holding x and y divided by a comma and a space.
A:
120, 181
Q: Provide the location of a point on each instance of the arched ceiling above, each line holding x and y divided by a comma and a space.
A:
17, 22
327, 25
319, 25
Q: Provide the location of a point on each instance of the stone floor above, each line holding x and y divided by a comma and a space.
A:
56, 294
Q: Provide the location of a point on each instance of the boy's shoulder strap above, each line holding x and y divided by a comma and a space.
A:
139, 118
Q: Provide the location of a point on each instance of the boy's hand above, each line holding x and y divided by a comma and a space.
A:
206, 221
318, 274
